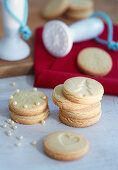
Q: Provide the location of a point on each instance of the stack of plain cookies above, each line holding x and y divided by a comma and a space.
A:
29, 106
80, 9
78, 100
75, 9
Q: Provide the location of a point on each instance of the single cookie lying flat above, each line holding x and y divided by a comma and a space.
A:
55, 8
65, 145
83, 90
94, 61
80, 5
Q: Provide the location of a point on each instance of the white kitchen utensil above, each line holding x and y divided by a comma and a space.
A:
14, 14
58, 38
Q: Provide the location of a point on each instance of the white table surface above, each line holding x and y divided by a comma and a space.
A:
103, 136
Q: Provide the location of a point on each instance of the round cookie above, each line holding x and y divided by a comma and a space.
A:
55, 8
80, 5
28, 103
59, 100
79, 15
65, 145
85, 113
94, 61
29, 120
79, 123
83, 90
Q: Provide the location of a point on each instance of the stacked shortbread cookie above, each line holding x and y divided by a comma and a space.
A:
29, 106
76, 9
80, 9
79, 101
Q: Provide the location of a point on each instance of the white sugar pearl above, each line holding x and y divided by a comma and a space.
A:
15, 102
11, 97
44, 97
14, 127
4, 126
18, 144
37, 103
8, 133
25, 106
11, 122
20, 137
34, 143
17, 91
34, 89
8, 120
13, 84
43, 122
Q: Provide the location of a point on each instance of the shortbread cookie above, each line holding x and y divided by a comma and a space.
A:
94, 61
29, 120
79, 15
80, 5
85, 113
28, 103
83, 90
79, 123
63, 103
55, 8
65, 145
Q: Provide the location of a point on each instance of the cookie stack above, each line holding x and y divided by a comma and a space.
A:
29, 106
76, 9
80, 9
79, 101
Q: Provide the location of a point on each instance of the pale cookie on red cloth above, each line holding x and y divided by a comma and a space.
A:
65, 145
94, 61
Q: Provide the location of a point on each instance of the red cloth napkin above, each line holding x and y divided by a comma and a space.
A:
50, 71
